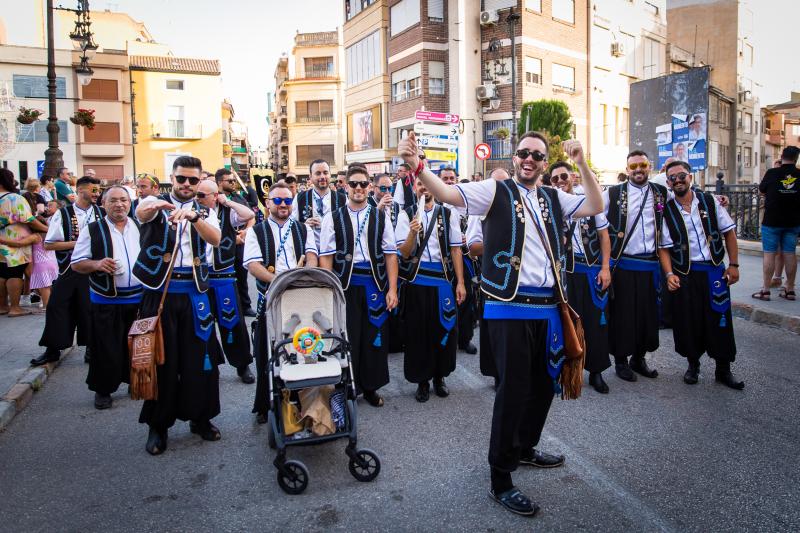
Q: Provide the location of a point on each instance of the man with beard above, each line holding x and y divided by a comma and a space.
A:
523, 226
146, 185
341, 181
224, 295
429, 241
107, 251
175, 232
69, 305
357, 245
634, 211
588, 278
692, 255
278, 244
312, 205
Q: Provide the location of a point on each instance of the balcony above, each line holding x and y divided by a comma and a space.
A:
317, 73
318, 119
176, 129
775, 137
321, 38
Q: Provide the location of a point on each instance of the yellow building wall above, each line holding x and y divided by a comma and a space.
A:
200, 98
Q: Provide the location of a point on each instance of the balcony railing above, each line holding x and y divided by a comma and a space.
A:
324, 119
319, 72
176, 129
317, 39
745, 207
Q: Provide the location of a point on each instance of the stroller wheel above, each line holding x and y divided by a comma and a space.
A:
293, 478
365, 465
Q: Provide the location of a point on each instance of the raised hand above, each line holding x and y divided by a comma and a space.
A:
408, 149
574, 150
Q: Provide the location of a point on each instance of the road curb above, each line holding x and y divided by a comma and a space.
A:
20, 394
773, 319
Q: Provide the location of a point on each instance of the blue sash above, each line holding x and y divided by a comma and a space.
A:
447, 300
599, 297
718, 290
203, 317
225, 293
376, 300
125, 295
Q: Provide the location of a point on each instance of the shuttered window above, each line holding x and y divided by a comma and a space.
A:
404, 14
101, 90
494, 5
103, 132
308, 153
436, 10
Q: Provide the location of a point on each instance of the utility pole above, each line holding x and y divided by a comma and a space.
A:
512, 23
53, 156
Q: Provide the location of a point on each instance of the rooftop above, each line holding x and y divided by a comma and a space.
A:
176, 64
320, 38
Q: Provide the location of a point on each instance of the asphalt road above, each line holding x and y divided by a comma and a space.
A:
651, 456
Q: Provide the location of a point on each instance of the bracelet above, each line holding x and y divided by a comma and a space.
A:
420, 168
733, 265
670, 273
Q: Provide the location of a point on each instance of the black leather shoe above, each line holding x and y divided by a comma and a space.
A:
624, 371
262, 418
249, 312
692, 374
373, 398
205, 429
423, 392
470, 349
87, 355
640, 367
156, 442
515, 501
102, 401
246, 375
440, 388
46, 357
542, 460
727, 379
596, 381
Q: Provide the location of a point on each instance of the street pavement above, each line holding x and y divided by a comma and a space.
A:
655, 455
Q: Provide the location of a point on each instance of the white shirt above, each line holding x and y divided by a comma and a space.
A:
184, 258
432, 252
285, 258
474, 230
315, 212
398, 195
327, 244
660, 179
45, 194
55, 233
577, 244
698, 246
643, 237
131, 192
235, 221
535, 269
125, 251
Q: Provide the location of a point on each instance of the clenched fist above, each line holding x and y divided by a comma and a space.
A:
408, 149
574, 150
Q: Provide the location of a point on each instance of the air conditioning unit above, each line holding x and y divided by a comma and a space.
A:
485, 92
617, 49
489, 18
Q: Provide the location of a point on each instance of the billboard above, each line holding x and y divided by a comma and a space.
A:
364, 129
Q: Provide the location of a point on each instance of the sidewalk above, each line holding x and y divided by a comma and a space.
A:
778, 312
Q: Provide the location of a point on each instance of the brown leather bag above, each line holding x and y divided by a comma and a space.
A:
146, 346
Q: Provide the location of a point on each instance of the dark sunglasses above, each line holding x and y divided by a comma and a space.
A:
203, 195
384, 188
680, 176
284, 201
558, 177
524, 153
363, 184
192, 180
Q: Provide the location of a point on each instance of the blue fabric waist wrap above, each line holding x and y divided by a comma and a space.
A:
447, 300
599, 297
718, 290
201, 308
125, 295
376, 299
225, 293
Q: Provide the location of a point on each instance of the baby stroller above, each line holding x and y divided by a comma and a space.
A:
307, 347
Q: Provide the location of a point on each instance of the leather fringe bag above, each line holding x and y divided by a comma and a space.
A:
146, 346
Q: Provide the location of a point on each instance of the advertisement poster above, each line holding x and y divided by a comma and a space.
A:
680, 138
362, 130
664, 143
684, 139
697, 140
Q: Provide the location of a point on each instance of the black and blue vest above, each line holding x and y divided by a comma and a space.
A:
394, 209
618, 214
345, 246
224, 255
269, 249
70, 228
680, 251
504, 237
590, 239
408, 268
305, 203
101, 246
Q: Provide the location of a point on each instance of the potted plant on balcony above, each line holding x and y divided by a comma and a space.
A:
502, 133
83, 117
28, 115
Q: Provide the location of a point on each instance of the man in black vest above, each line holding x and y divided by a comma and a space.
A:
107, 251
522, 230
278, 244
429, 241
357, 244
404, 195
697, 231
224, 296
69, 306
312, 205
188, 381
634, 210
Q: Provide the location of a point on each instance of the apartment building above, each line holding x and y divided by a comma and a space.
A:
781, 128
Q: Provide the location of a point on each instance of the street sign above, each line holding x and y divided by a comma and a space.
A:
39, 168
432, 116
483, 151
439, 155
435, 129
437, 141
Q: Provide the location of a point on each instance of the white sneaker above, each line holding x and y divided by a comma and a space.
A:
25, 299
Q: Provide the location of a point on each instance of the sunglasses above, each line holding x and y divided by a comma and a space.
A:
203, 195
680, 176
384, 188
524, 153
363, 184
192, 180
283, 201
558, 177
639, 166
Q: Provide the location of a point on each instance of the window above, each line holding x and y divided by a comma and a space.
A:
738, 155
36, 86
748, 122
435, 77
617, 126
404, 14
748, 55
100, 90
534, 5
364, 59
308, 153
436, 10
748, 157
652, 8
314, 111
406, 83
175, 122
23, 173
563, 77
723, 157
175, 85
501, 148
739, 119
37, 132
713, 154
103, 132
629, 43
318, 67
653, 58
564, 10
354, 7
604, 114
624, 126
724, 114
533, 70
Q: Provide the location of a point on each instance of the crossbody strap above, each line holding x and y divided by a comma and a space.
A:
169, 273
627, 234
548, 249
424, 242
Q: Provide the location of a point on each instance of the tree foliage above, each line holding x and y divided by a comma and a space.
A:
548, 116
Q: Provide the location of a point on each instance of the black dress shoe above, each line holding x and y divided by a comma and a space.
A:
515, 501
596, 381
47, 357
640, 367
469, 348
624, 371
423, 392
440, 388
373, 398
727, 379
246, 375
205, 429
102, 401
87, 355
262, 418
249, 312
156, 441
542, 459
692, 374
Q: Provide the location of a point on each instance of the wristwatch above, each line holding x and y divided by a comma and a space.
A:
733, 265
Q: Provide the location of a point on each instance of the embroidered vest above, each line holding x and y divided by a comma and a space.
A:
345, 247
101, 246
680, 251
70, 229
225, 254
590, 240
269, 248
618, 214
408, 268
393, 211
504, 237
305, 203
